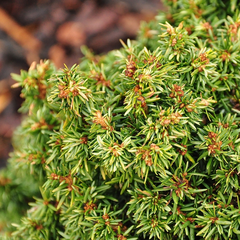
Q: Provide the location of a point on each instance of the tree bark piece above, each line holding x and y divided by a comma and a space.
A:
20, 35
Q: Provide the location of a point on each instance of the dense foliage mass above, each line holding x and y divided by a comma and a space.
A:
141, 143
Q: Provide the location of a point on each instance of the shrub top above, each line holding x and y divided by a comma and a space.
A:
142, 143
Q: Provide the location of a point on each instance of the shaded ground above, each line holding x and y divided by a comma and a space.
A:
40, 29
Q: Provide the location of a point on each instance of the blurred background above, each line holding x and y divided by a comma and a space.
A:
31, 30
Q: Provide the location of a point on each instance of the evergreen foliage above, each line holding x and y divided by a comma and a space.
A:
141, 143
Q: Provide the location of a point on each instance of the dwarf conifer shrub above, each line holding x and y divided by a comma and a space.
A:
141, 143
